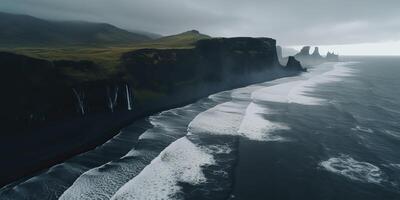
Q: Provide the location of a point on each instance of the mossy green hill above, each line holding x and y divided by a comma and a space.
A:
107, 58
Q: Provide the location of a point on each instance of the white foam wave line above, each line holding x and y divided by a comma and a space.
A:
353, 169
237, 119
362, 129
182, 161
102, 182
397, 166
255, 127
298, 91
392, 133
223, 119
99, 185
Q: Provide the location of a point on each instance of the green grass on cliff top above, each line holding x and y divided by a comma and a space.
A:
108, 57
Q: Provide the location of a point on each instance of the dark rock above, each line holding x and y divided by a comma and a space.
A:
294, 64
215, 60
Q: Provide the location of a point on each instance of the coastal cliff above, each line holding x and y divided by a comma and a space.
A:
75, 106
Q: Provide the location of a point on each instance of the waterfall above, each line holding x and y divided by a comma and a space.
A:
112, 100
128, 97
80, 96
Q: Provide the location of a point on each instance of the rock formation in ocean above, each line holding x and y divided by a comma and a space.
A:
307, 59
305, 51
316, 54
294, 64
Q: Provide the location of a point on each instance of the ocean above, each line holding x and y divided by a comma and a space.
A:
330, 133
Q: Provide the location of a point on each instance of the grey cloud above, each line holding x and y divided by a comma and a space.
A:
291, 22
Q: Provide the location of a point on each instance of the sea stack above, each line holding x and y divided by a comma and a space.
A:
307, 59
316, 54
305, 51
294, 64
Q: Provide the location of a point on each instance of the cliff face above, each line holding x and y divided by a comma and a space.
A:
47, 107
211, 61
39, 91
26, 84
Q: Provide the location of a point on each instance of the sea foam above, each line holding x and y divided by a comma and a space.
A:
102, 182
182, 161
223, 119
353, 169
240, 117
299, 90
255, 127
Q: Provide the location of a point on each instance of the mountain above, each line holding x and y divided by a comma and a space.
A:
27, 31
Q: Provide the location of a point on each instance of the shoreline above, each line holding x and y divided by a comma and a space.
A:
99, 135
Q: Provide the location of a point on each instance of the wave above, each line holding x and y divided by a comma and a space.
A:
396, 166
255, 127
102, 182
355, 170
363, 129
223, 119
241, 116
394, 134
182, 161
299, 90
51, 183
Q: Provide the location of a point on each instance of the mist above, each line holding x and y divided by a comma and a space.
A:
291, 22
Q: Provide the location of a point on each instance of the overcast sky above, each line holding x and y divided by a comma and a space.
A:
291, 22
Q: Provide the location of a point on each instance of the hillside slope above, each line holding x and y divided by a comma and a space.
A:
107, 57
27, 31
